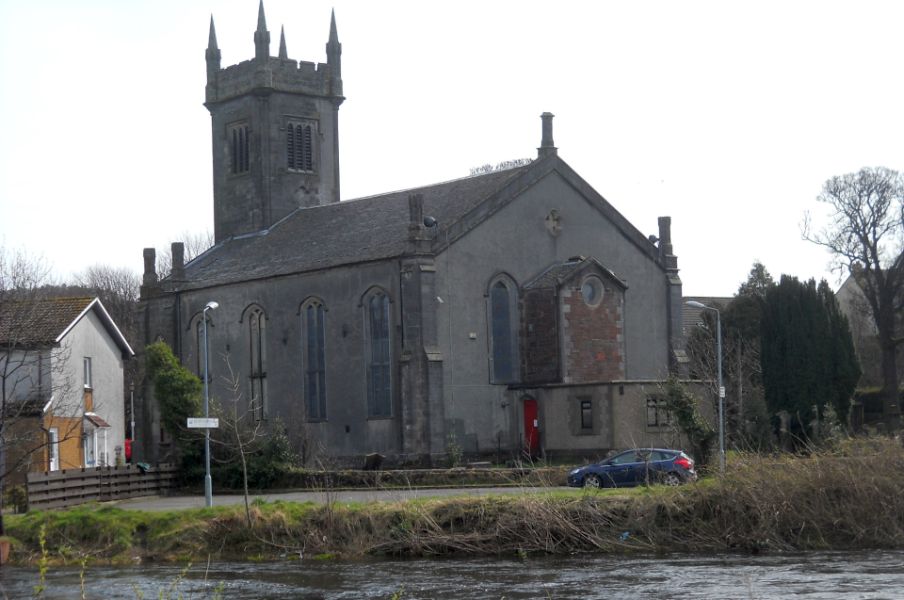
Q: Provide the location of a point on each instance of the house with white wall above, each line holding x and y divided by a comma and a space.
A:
61, 385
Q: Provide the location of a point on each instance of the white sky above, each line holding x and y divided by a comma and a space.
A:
727, 116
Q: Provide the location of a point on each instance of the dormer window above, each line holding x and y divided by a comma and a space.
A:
300, 145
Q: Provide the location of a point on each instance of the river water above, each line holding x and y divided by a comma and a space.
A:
860, 575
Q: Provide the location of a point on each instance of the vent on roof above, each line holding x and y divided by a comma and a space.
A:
574, 259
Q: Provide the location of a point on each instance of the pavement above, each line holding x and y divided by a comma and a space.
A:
181, 502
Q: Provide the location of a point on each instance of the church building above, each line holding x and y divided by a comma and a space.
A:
513, 312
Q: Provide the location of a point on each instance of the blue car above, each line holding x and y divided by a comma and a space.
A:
636, 467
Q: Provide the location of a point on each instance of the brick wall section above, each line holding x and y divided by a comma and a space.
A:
593, 337
540, 336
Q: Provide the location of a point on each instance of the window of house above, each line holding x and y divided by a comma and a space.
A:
300, 146
257, 356
503, 334
314, 361
240, 148
658, 414
586, 414
87, 369
379, 388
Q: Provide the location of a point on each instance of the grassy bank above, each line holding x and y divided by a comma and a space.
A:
853, 498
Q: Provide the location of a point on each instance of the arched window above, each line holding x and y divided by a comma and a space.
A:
503, 322
257, 362
300, 146
379, 384
240, 148
312, 315
201, 347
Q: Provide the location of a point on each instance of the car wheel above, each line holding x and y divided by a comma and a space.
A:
671, 478
593, 481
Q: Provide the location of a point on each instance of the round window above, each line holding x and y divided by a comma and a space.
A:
592, 291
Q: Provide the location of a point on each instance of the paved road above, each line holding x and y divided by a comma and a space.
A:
182, 502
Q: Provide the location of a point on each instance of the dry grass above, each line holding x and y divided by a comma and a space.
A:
853, 498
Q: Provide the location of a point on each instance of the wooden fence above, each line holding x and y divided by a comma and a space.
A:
58, 489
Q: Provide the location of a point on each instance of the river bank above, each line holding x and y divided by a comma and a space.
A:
850, 499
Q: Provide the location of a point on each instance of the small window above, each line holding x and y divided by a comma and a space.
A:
87, 363
592, 291
300, 146
240, 148
586, 415
658, 414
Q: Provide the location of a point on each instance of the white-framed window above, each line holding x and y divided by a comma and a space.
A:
87, 371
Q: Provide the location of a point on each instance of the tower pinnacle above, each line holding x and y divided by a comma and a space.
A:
334, 55
282, 43
261, 36
212, 54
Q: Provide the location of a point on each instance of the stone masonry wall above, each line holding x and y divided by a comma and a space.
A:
593, 336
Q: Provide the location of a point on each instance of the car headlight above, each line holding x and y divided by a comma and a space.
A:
575, 472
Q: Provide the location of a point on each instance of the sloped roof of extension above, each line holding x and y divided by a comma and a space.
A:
46, 321
376, 227
561, 272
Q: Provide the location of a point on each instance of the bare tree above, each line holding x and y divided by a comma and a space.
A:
31, 366
195, 244
865, 235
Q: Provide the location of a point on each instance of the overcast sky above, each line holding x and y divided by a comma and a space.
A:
727, 116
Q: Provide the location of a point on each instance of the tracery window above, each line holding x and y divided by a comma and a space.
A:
314, 360
503, 317
257, 357
379, 384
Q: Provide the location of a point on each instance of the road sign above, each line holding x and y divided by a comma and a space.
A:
202, 423
721, 393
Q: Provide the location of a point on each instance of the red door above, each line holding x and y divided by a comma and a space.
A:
531, 427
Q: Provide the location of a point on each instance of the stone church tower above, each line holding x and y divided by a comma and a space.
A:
275, 133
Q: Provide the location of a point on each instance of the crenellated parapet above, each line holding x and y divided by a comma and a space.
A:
266, 74
276, 75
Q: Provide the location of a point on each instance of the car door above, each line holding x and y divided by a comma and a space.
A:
622, 468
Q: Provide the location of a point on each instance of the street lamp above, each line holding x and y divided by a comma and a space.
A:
208, 484
702, 306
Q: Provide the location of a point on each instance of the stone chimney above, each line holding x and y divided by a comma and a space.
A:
547, 145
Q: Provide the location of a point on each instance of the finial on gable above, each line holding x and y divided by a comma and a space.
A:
547, 146
282, 43
261, 36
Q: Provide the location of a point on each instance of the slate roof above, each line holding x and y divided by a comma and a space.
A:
557, 273
351, 231
39, 322
692, 317
43, 322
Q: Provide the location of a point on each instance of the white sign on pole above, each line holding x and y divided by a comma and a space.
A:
721, 391
202, 423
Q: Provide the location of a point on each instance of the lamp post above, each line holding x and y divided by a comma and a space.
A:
208, 484
702, 306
